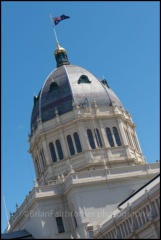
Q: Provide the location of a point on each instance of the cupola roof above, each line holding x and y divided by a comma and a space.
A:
66, 85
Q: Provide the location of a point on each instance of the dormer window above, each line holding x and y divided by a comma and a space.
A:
104, 81
53, 86
83, 79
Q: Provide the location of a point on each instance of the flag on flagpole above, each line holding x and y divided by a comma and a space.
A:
58, 19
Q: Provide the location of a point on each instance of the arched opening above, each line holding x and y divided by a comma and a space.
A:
77, 142
53, 86
117, 138
59, 149
109, 136
70, 145
98, 137
52, 152
91, 139
83, 79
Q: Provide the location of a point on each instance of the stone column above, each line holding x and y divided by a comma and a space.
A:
46, 151
63, 141
39, 158
103, 134
122, 132
105, 142
137, 142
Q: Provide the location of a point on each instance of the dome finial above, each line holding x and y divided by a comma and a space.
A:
61, 56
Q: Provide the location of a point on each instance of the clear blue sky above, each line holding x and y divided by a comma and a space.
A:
119, 40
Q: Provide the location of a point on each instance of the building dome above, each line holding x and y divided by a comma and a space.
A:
66, 85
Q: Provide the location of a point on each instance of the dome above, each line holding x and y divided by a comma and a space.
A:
68, 84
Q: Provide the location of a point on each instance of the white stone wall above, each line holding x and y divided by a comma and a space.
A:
92, 195
79, 120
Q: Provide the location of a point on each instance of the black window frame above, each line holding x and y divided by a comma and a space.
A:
70, 145
98, 138
59, 149
77, 142
52, 152
91, 139
84, 79
109, 137
117, 137
53, 87
60, 225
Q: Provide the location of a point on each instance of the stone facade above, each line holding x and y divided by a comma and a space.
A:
79, 121
87, 160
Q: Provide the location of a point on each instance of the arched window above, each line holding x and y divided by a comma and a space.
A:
77, 142
53, 87
90, 138
52, 152
117, 138
83, 79
104, 81
109, 136
70, 145
43, 158
98, 138
59, 149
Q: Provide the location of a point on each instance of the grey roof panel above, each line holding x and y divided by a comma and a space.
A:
50, 101
93, 91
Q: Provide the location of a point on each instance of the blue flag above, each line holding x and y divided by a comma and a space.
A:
58, 19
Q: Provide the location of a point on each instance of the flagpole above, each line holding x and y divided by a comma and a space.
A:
53, 27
